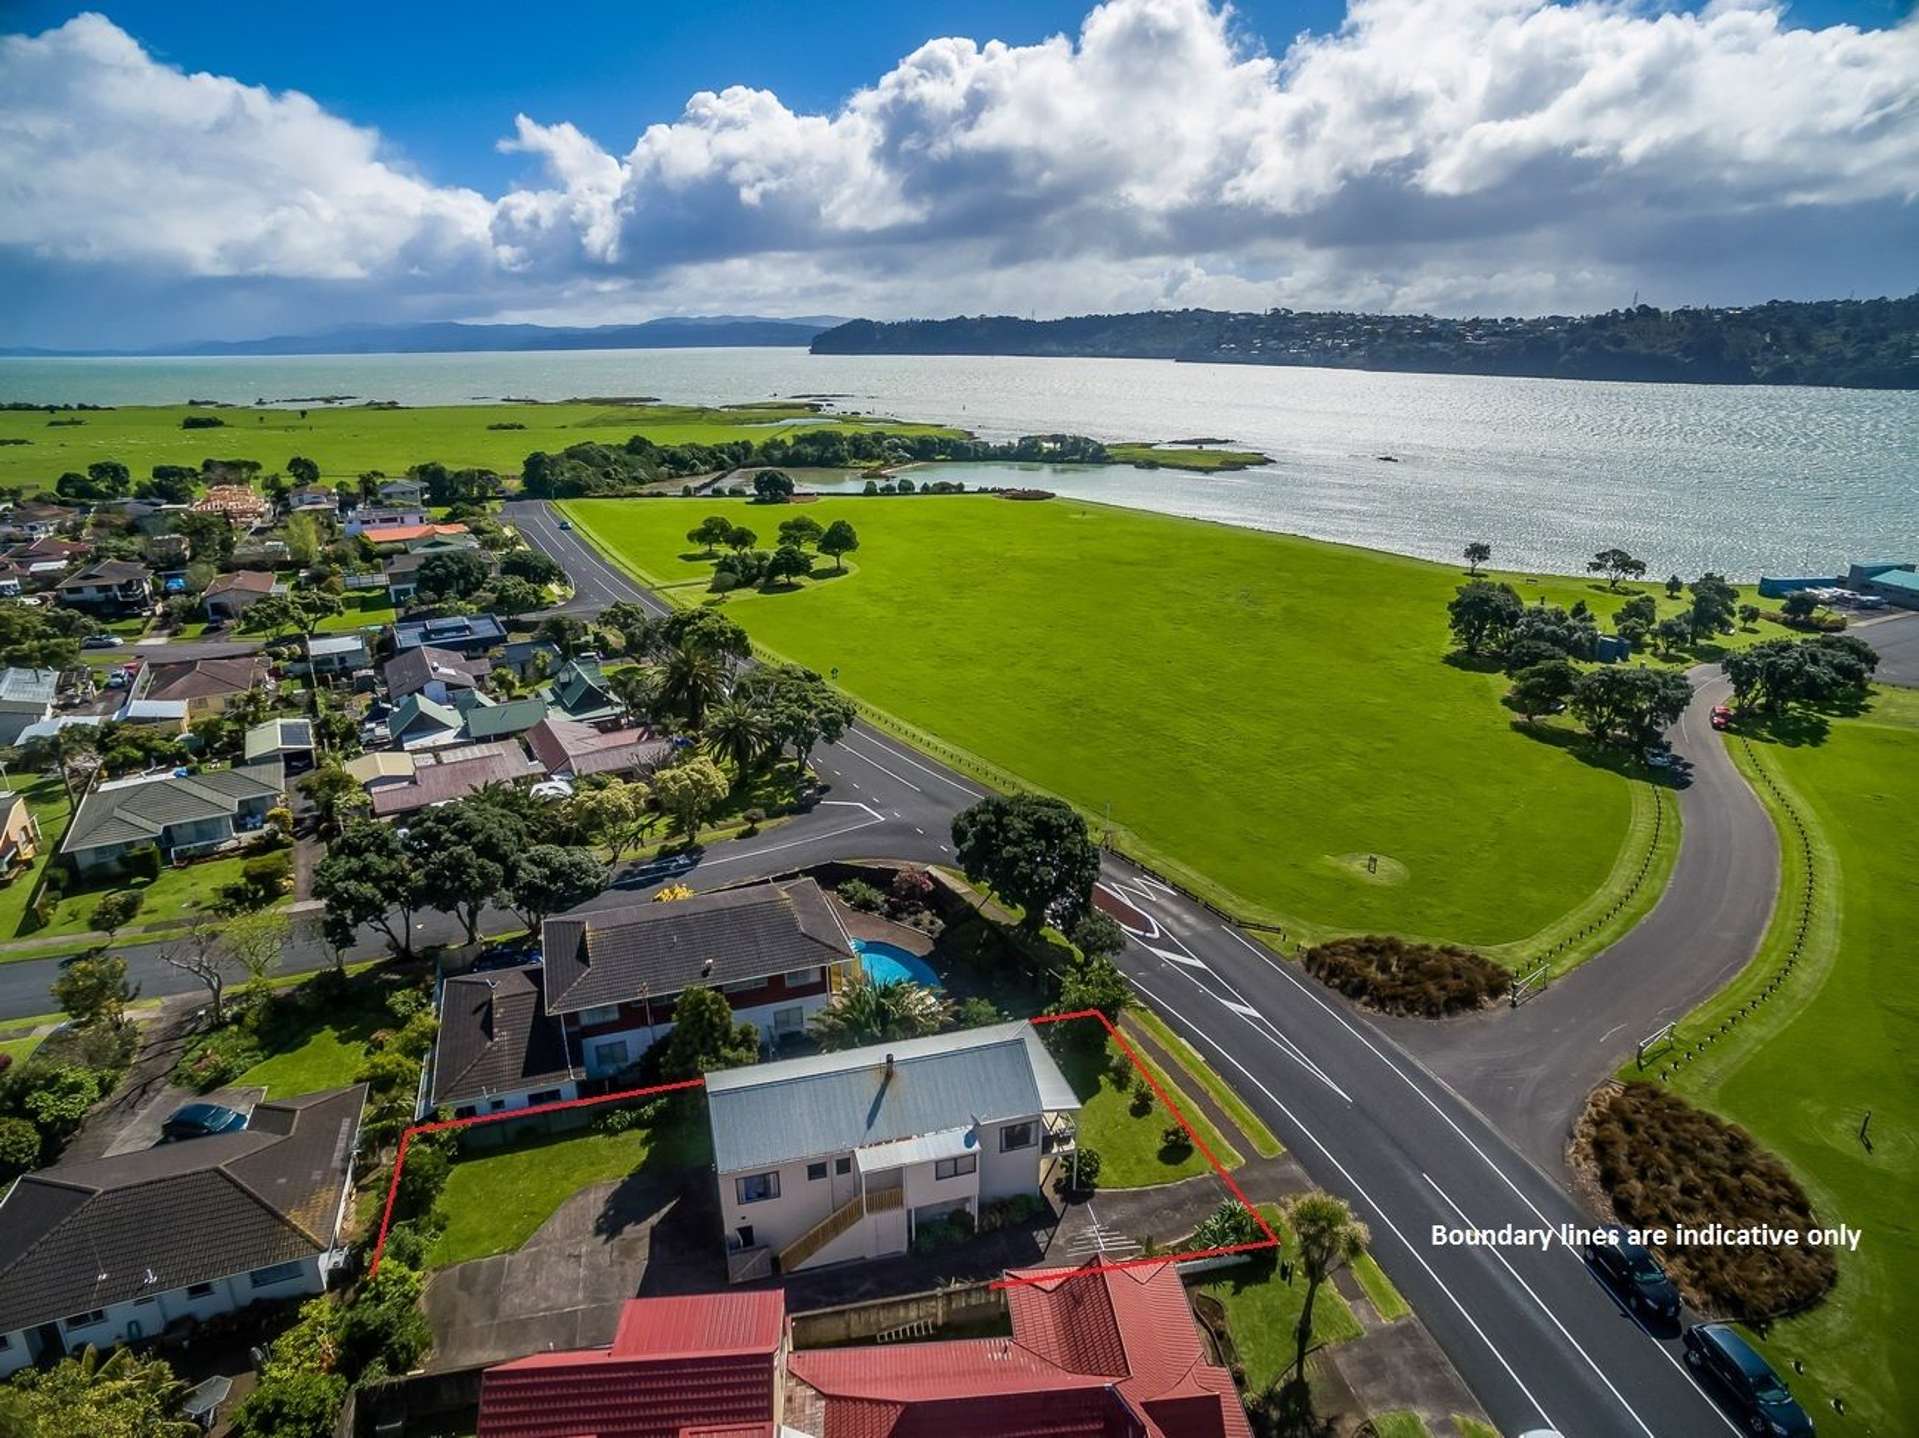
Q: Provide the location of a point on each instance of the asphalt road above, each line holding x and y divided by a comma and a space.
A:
1896, 637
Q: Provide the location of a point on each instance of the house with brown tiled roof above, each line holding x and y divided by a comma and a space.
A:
158, 1240
497, 1048
241, 504
202, 687
231, 595
568, 749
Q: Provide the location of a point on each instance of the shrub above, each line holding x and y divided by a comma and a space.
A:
116, 910
944, 1232
383, 1331
858, 894
422, 1179
976, 1013
1664, 1163
1387, 973
264, 879
1227, 1226
1142, 1103
403, 1004
625, 1117
415, 1037
1174, 1141
1088, 1168
219, 1058
1009, 1212
410, 1241
19, 1147
912, 891
296, 1404
59, 1097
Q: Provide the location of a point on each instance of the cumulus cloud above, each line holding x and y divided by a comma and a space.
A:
1452, 154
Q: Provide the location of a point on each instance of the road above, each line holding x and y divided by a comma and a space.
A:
1896, 637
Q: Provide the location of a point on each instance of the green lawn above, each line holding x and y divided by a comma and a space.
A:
1131, 1146
17, 1050
1473, 1427
329, 1054
497, 1198
1840, 1038
1387, 1300
178, 894
1171, 457
1233, 695
1263, 1311
363, 610
1264, 1141
48, 803
350, 439
1401, 1423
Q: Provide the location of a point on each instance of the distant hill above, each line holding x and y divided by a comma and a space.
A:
1867, 344
672, 332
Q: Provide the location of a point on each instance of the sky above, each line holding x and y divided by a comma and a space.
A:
176, 171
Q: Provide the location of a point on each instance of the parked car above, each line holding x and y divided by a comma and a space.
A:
200, 1120
1745, 1381
102, 641
1722, 716
119, 679
1659, 758
566, 524
1634, 1274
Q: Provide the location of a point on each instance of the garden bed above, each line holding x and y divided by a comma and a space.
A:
1387, 973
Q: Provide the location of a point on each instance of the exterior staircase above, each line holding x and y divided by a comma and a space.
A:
795, 1254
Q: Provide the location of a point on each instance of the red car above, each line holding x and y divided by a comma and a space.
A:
1721, 716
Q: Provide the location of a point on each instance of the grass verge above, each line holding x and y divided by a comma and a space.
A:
1263, 1311
1265, 1143
1130, 1137
1387, 1300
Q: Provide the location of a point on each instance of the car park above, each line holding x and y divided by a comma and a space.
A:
201, 1120
1633, 1274
1745, 1382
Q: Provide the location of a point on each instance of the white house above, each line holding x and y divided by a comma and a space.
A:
842, 1156
26, 699
153, 1241
367, 517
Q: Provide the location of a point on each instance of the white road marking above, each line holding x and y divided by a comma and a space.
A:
896, 752
864, 758
794, 844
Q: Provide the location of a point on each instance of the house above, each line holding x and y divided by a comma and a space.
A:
108, 586
703, 1365
402, 494
418, 722
403, 570
117, 1249
370, 517
261, 552
580, 691
203, 686
19, 834
337, 653
183, 815
437, 673
465, 634
443, 776
32, 520
313, 499
570, 750
49, 729
26, 697
507, 720
241, 504
613, 973
1095, 1350
290, 741
407, 534
497, 1047
842, 1156
231, 595
380, 768
530, 658
50, 549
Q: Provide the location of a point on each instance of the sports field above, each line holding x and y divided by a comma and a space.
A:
350, 439
1267, 711
1839, 1038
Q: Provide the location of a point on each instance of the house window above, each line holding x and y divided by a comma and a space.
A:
604, 1014
85, 1320
495, 1105
757, 1187
815, 1172
465, 1110
545, 1095
954, 1167
274, 1273
1018, 1135
789, 1021
610, 1055
199, 1290
842, 1166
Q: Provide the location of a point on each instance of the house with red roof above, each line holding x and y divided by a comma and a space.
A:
707, 1364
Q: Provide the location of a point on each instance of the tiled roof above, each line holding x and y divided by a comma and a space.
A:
605, 955
134, 811
458, 773
81, 1236
777, 1113
108, 571
402, 533
496, 1037
566, 746
678, 1366
201, 678
412, 670
248, 581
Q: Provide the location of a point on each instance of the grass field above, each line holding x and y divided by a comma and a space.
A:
1237, 698
47, 801
1131, 1144
358, 611
330, 1054
347, 440
1840, 1038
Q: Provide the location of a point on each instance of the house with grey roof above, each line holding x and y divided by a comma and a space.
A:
497, 1048
437, 673
116, 586
337, 653
26, 697
570, 750
614, 970
418, 722
183, 815
843, 1156
153, 1242
508, 719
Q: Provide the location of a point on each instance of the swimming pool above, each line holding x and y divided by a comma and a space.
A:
888, 964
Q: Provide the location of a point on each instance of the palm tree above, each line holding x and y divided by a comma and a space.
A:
77, 747
1329, 1237
868, 1013
740, 733
637, 687
689, 682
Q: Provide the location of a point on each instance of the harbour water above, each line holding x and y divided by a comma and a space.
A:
1742, 480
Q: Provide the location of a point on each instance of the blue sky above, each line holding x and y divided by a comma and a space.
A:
1453, 155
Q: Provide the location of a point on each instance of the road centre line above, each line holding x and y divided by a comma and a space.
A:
868, 759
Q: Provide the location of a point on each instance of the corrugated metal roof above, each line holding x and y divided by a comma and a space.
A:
947, 1143
778, 1113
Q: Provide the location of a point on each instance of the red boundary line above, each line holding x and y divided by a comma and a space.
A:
1038, 1276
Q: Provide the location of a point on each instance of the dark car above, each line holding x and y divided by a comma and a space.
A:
1746, 1382
1634, 1274
200, 1120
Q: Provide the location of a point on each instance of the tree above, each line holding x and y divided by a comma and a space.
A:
739, 732
1749, 615
1093, 981
690, 681
1799, 606
209, 536
710, 533
370, 877
1098, 935
1777, 673
789, 561
116, 910
704, 631
532, 566
123, 1395
465, 852
1482, 613
1629, 701
637, 687
1615, 564
1477, 553
772, 486
1714, 602
1033, 852
1675, 586
513, 596
303, 469
202, 952
802, 530
452, 574
864, 1012
551, 878
94, 990
291, 1403
690, 791
839, 541
1328, 1238
19, 1152
706, 1037
334, 794
739, 538
802, 707
255, 941
303, 540
1673, 633
1542, 688
616, 815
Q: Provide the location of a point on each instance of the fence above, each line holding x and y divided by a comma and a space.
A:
857, 1322
1618, 905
